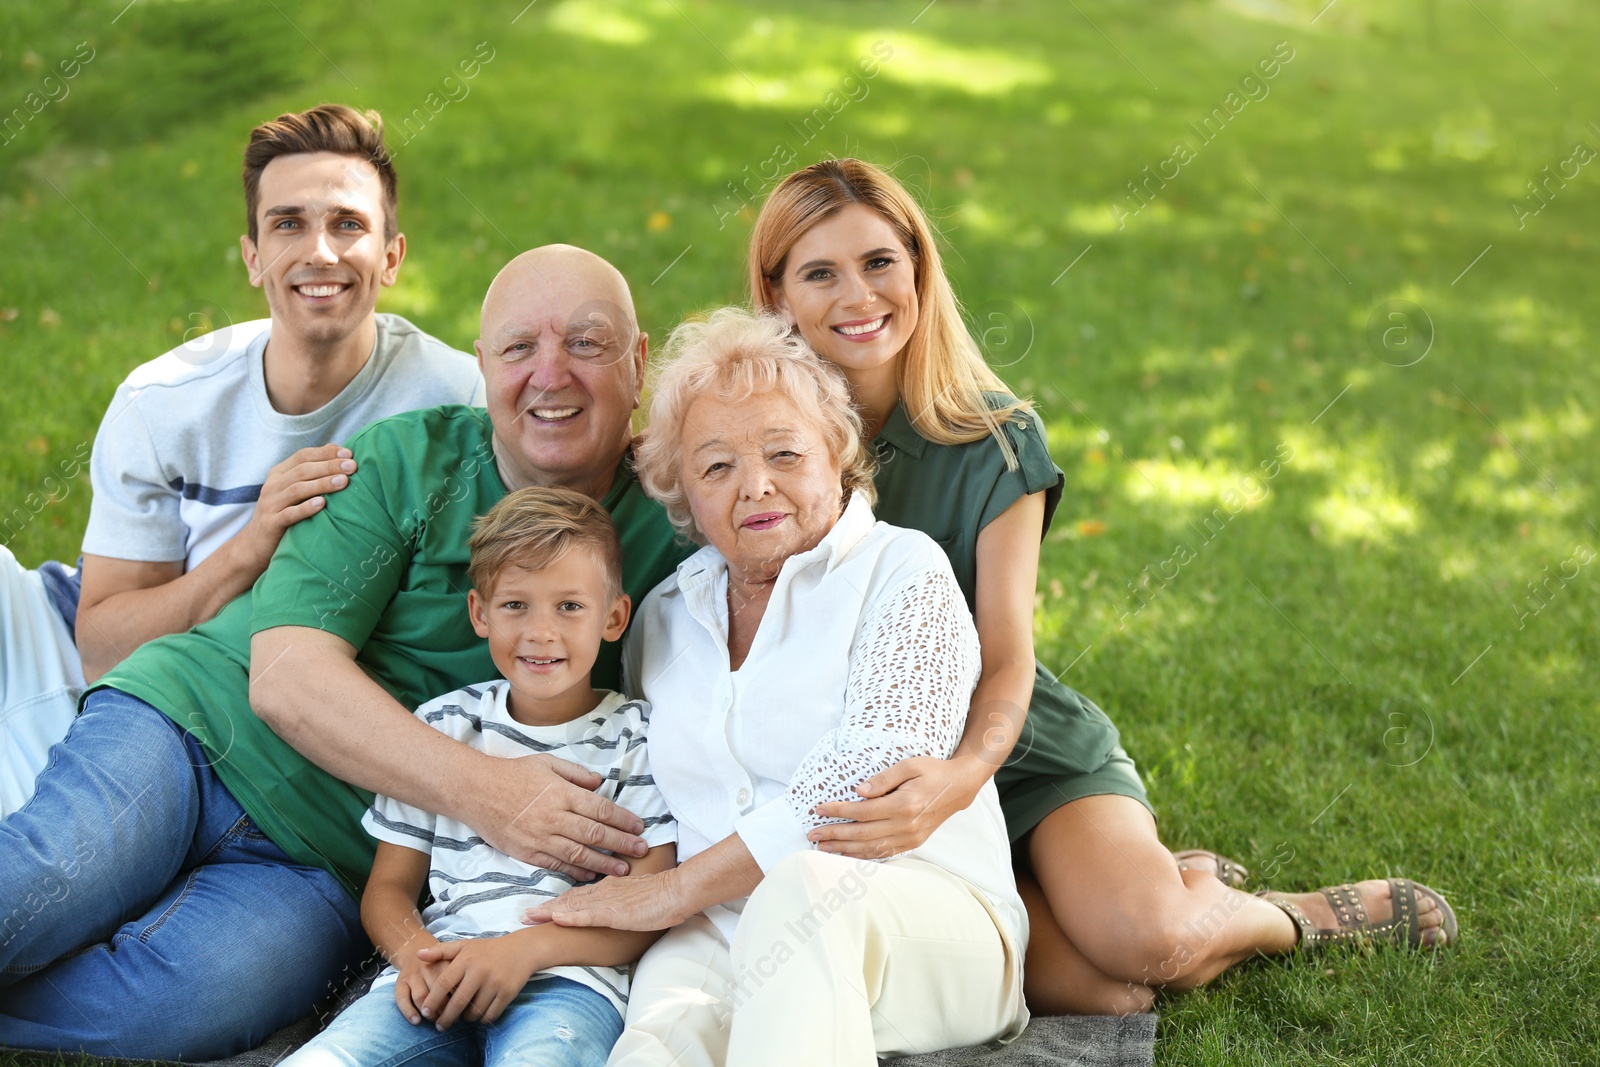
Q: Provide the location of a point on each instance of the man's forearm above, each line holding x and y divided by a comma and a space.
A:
112, 627
324, 705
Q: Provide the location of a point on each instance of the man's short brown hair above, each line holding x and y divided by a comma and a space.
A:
534, 527
325, 128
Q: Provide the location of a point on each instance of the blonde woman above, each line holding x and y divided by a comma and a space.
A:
843, 253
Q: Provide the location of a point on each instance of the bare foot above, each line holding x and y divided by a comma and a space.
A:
1375, 897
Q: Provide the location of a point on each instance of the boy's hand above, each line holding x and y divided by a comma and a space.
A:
476, 979
415, 980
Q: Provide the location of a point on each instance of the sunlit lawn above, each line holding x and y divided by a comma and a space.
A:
1328, 569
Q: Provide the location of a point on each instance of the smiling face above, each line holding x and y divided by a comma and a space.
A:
320, 256
849, 284
544, 628
760, 481
562, 364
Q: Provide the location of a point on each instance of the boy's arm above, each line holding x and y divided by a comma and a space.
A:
389, 905
561, 946
390, 917
477, 978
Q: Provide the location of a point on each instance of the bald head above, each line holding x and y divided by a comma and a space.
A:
560, 275
563, 364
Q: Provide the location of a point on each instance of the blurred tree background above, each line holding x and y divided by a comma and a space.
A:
1303, 290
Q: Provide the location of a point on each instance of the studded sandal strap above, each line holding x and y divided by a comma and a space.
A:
1229, 872
1402, 927
1310, 936
1348, 910
1404, 895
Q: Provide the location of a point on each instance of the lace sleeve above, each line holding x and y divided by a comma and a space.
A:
911, 679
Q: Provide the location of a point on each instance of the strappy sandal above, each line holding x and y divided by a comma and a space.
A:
1229, 872
1354, 926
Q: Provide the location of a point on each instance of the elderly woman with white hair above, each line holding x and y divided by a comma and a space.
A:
805, 648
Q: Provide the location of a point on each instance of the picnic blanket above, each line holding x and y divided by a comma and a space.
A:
1049, 1041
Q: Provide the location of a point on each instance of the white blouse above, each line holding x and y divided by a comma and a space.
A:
866, 655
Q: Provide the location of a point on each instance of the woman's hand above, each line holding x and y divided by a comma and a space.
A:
637, 902
900, 807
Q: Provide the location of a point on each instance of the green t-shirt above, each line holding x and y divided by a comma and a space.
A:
383, 566
950, 493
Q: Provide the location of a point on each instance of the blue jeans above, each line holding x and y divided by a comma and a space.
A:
144, 915
554, 1022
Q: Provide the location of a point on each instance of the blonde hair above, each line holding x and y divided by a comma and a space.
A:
734, 355
533, 528
941, 376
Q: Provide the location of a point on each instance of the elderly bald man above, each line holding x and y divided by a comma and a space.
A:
186, 879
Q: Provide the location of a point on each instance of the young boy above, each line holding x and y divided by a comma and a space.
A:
546, 571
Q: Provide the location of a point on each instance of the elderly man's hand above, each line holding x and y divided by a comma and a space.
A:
642, 902
544, 811
900, 807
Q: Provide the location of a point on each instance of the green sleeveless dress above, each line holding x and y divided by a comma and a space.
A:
1069, 749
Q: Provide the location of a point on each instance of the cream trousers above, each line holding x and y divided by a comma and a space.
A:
835, 962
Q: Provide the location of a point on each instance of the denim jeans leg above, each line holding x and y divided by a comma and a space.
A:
106, 831
243, 942
554, 1022
372, 1032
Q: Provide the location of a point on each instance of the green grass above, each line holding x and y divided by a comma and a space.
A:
1335, 683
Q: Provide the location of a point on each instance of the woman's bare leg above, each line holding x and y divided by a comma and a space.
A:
1057, 980
1113, 900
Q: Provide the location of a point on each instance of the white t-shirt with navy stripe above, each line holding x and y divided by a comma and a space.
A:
189, 437
480, 892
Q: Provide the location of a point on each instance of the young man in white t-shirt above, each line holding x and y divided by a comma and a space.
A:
546, 572
208, 453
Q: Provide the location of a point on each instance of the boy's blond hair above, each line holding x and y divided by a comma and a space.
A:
533, 528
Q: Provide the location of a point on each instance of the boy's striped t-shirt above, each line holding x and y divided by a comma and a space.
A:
480, 892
